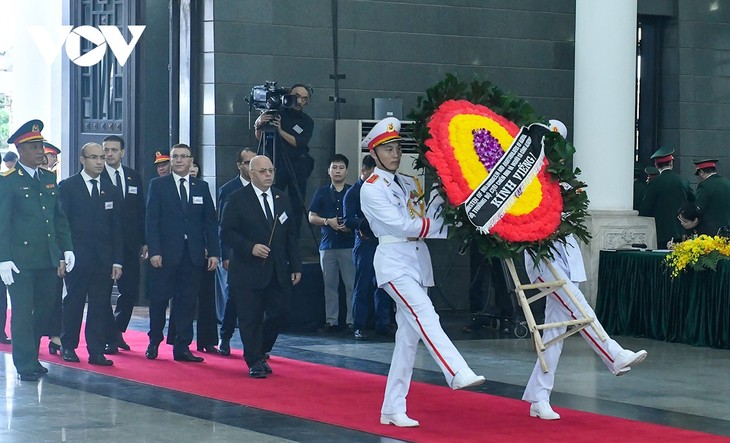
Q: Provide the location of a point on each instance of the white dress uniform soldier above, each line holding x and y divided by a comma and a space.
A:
390, 202
568, 261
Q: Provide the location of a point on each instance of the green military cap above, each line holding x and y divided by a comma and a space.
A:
10, 156
704, 163
48, 148
30, 131
651, 170
162, 155
663, 155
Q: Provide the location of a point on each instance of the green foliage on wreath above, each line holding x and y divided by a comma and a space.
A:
557, 150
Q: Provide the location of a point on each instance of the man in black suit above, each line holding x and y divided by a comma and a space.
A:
225, 304
132, 213
181, 227
256, 225
92, 208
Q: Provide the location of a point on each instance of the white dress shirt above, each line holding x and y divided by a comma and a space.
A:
269, 197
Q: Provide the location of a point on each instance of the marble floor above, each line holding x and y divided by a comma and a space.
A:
678, 385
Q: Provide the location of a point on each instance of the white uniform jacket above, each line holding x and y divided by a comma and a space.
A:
400, 219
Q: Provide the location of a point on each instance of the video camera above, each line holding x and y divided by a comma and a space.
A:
269, 97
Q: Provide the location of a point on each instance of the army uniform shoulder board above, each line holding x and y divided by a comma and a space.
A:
8, 172
372, 178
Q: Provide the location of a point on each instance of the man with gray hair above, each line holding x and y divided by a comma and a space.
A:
265, 264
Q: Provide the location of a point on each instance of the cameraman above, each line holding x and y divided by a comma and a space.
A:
292, 160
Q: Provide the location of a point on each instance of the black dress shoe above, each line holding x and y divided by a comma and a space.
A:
69, 355
53, 348
267, 368
151, 352
40, 369
257, 370
224, 347
210, 349
121, 344
360, 335
4, 340
110, 349
100, 360
187, 356
28, 376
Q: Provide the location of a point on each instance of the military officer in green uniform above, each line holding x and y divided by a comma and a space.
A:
713, 197
651, 173
38, 249
664, 195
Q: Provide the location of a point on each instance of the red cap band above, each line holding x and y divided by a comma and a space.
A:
704, 165
382, 139
664, 159
27, 137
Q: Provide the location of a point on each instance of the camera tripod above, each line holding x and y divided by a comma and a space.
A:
268, 145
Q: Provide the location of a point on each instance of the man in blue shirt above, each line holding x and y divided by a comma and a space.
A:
363, 254
335, 248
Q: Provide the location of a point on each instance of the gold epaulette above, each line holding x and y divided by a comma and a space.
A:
8, 172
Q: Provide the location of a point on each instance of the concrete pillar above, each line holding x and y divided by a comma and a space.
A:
605, 109
37, 89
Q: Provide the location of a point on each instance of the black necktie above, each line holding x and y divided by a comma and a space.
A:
269, 216
183, 194
119, 181
36, 176
397, 182
94, 189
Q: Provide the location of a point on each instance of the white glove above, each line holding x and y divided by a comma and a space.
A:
70, 260
6, 272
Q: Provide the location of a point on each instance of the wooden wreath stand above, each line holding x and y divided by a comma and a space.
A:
546, 288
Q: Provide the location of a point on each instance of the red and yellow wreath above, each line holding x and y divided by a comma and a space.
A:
463, 131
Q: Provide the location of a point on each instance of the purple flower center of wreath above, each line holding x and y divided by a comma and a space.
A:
487, 148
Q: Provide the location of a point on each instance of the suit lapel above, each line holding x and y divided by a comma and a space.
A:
193, 189
254, 193
83, 189
276, 206
171, 185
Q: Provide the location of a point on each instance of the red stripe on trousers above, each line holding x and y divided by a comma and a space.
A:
420, 326
603, 351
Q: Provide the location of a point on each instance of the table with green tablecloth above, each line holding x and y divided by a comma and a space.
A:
638, 297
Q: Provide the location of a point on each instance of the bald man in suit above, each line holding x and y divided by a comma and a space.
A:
265, 265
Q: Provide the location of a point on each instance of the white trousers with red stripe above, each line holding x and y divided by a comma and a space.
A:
417, 320
558, 307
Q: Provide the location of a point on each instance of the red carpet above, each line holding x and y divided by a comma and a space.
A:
352, 399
